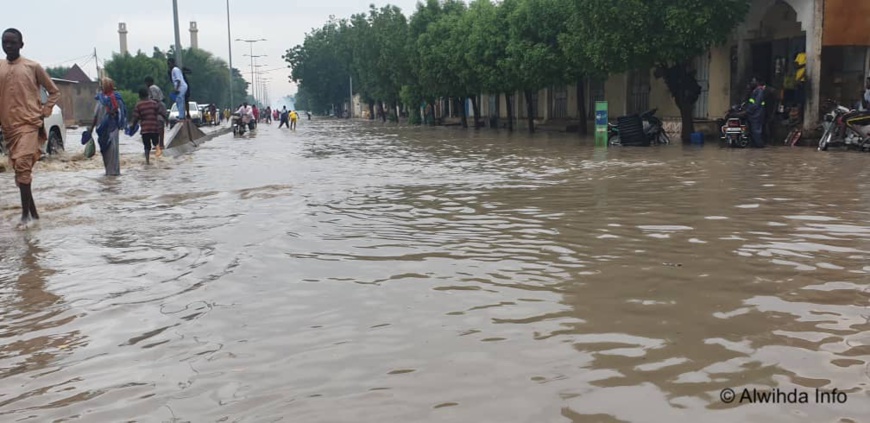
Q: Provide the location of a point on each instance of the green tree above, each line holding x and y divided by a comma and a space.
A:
485, 48
129, 71
534, 56
130, 99
57, 71
320, 66
441, 60
622, 35
389, 29
425, 71
208, 76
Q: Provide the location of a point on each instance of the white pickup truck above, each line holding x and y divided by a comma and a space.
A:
54, 128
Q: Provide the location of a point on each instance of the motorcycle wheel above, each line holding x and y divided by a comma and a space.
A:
614, 140
823, 143
737, 141
663, 138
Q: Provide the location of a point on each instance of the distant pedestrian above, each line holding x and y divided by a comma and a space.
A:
268, 115
147, 114
156, 94
111, 114
284, 118
180, 88
293, 118
21, 114
309, 115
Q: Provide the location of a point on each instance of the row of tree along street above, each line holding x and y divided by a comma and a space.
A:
448, 49
207, 76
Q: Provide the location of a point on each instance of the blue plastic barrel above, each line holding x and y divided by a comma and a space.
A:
697, 138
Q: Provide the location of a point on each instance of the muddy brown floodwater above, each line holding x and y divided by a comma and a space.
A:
349, 272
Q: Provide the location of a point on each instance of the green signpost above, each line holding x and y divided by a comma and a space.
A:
601, 123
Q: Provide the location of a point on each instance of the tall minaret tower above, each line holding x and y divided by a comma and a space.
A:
194, 37
122, 34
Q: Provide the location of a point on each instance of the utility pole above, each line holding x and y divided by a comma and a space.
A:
350, 101
251, 43
177, 34
230, 48
97, 64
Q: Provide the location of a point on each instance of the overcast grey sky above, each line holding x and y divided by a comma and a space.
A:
56, 31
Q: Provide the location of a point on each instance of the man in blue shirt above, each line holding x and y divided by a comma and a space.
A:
755, 113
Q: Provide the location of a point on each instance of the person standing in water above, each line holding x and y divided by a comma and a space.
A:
284, 118
21, 114
156, 94
111, 114
179, 85
148, 114
293, 118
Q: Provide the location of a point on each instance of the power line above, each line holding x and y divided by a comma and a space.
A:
70, 60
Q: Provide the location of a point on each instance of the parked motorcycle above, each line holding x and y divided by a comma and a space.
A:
845, 127
735, 127
638, 130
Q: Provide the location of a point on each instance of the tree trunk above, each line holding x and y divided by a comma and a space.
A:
382, 112
583, 128
687, 115
371, 111
530, 111
462, 115
684, 87
494, 120
510, 111
476, 108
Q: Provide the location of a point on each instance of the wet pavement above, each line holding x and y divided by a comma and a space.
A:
355, 272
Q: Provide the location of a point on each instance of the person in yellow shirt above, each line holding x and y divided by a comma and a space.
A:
293, 117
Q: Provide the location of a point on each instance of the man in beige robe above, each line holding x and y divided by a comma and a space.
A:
22, 113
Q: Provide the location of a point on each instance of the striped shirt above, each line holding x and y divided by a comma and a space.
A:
147, 113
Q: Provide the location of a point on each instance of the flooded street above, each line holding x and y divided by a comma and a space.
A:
354, 272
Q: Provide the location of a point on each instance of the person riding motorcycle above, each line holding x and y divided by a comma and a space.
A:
755, 113
246, 113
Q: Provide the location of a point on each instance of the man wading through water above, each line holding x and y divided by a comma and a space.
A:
21, 114
148, 113
156, 94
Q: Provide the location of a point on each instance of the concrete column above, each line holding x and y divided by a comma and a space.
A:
122, 34
194, 35
814, 27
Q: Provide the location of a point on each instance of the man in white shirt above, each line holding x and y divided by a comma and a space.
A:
180, 87
247, 114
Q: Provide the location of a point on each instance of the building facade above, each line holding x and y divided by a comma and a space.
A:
834, 35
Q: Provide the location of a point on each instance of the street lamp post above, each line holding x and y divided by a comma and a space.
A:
259, 80
229, 47
254, 73
177, 34
251, 44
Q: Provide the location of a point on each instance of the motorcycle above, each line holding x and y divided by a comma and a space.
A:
845, 127
238, 125
651, 130
734, 128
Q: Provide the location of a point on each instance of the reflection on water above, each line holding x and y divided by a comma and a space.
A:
358, 272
